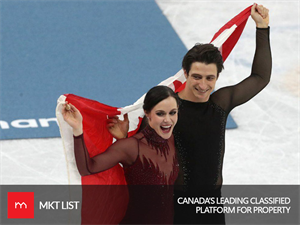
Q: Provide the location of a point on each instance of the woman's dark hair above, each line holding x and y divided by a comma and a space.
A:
204, 53
156, 95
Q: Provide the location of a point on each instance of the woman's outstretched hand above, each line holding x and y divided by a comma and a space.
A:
73, 117
118, 128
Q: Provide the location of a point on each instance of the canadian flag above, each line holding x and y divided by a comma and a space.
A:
96, 135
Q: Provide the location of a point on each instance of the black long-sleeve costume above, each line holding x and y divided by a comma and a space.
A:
200, 131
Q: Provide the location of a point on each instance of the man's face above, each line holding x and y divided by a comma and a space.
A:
200, 81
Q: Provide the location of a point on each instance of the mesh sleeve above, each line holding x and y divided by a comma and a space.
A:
123, 151
232, 96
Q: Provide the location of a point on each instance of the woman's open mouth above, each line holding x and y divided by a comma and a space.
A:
166, 129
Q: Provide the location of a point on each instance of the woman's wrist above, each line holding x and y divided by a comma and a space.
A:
77, 131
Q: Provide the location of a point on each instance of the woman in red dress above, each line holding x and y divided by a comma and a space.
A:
148, 158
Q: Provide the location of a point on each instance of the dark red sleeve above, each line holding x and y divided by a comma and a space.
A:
123, 151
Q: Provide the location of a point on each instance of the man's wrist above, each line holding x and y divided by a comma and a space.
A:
125, 136
262, 25
263, 28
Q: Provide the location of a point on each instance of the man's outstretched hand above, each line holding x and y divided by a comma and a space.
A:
260, 15
118, 128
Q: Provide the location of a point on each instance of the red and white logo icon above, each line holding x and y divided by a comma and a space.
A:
20, 205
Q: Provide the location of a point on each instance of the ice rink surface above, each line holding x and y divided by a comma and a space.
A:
264, 149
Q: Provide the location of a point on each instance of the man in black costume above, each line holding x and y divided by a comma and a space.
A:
200, 131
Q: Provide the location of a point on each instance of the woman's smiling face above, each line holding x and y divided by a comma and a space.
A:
163, 117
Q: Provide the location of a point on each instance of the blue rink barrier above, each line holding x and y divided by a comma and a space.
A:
109, 51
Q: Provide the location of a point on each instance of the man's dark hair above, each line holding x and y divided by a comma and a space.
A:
156, 95
205, 53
